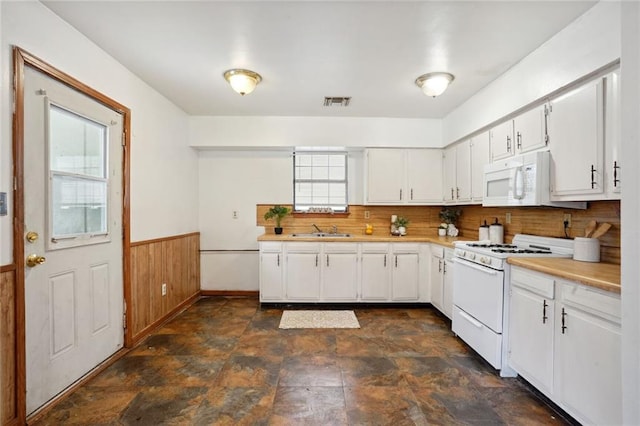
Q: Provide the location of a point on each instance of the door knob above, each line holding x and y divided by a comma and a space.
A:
35, 260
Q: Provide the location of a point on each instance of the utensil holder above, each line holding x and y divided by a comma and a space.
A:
586, 249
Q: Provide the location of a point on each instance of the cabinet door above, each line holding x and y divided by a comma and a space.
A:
463, 171
576, 142
303, 276
405, 277
449, 173
530, 130
375, 276
588, 375
613, 175
340, 276
502, 141
271, 276
424, 176
447, 288
479, 158
385, 176
531, 325
436, 278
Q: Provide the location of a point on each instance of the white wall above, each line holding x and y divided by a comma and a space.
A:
164, 177
590, 42
630, 72
239, 132
237, 181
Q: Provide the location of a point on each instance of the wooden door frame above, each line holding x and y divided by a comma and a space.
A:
22, 58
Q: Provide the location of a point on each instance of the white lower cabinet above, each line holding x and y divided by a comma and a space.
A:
343, 272
441, 280
271, 266
340, 272
375, 272
567, 344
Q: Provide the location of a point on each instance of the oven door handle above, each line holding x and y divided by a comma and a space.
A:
468, 264
473, 321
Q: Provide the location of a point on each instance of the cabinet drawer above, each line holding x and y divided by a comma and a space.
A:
598, 302
303, 247
375, 248
341, 247
480, 337
271, 247
536, 283
405, 248
437, 250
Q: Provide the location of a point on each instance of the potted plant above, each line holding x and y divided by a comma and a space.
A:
450, 217
277, 213
442, 229
401, 225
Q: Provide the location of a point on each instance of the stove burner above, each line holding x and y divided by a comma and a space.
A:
520, 251
506, 246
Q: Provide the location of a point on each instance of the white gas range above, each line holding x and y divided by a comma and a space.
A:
480, 291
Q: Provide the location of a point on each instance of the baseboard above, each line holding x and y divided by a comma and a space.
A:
231, 293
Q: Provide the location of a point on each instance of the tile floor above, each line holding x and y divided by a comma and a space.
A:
224, 361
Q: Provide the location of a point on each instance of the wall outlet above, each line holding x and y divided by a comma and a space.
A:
367, 214
164, 289
507, 218
235, 214
567, 218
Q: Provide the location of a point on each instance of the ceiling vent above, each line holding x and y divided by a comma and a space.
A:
331, 101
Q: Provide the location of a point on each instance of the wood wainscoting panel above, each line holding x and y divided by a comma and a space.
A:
173, 261
8, 407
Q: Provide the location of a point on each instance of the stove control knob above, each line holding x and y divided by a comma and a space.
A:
472, 256
485, 260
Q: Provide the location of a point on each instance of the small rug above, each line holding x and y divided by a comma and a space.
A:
319, 319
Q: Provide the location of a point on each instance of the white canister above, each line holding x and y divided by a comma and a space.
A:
496, 233
483, 232
586, 249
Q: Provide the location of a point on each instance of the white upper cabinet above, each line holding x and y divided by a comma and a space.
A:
527, 132
457, 173
576, 142
613, 167
480, 156
403, 176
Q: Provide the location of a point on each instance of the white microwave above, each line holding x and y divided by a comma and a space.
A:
521, 180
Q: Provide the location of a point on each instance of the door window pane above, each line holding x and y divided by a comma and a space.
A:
79, 206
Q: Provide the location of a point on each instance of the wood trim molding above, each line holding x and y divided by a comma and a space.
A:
8, 268
164, 319
22, 58
159, 240
230, 293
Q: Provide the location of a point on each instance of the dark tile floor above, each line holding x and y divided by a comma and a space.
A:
224, 361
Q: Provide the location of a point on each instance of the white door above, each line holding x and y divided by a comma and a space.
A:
375, 276
449, 172
405, 277
385, 176
463, 171
340, 276
530, 130
480, 156
424, 175
73, 202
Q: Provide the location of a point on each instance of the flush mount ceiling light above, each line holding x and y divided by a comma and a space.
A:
434, 83
242, 81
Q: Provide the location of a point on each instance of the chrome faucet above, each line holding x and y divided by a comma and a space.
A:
317, 229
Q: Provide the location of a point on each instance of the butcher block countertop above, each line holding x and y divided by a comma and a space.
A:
444, 241
605, 276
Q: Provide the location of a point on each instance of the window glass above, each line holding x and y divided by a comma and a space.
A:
320, 181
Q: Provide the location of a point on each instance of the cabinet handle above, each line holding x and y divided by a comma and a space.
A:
457, 193
439, 265
385, 260
396, 260
564, 327
401, 194
544, 311
452, 194
616, 181
278, 259
327, 260
508, 144
316, 260
593, 181
519, 140
411, 194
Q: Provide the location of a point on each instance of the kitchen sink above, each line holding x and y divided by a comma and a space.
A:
320, 235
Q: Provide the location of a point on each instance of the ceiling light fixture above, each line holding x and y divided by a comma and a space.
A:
434, 83
242, 81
